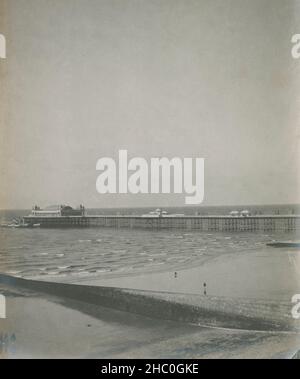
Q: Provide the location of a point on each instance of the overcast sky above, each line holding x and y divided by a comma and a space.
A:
210, 79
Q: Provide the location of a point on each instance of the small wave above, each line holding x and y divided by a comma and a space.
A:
75, 266
80, 273
13, 272
103, 270
157, 263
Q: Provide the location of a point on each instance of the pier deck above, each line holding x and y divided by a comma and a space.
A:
256, 223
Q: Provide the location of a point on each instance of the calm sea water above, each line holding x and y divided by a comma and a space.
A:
104, 252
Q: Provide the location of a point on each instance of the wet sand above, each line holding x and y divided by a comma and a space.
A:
263, 274
245, 313
47, 326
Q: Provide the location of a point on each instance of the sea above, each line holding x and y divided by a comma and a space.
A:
59, 254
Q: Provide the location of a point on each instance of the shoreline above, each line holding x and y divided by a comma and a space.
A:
271, 275
51, 322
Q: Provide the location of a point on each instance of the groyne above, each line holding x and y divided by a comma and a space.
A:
234, 313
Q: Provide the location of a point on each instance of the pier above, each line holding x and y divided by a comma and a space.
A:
258, 223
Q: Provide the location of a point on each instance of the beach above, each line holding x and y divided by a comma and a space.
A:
107, 293
49, 326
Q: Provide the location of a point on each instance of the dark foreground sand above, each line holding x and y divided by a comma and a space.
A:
49, 325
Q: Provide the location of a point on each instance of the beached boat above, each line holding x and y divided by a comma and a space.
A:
284, 244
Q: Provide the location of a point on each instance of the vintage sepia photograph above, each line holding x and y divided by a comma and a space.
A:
149, 181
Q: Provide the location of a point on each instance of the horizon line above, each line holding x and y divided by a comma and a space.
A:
172, 206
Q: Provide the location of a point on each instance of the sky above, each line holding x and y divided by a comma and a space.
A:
160, 78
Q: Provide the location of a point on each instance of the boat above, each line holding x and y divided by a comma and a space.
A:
14, 225
160, 213
284, 244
